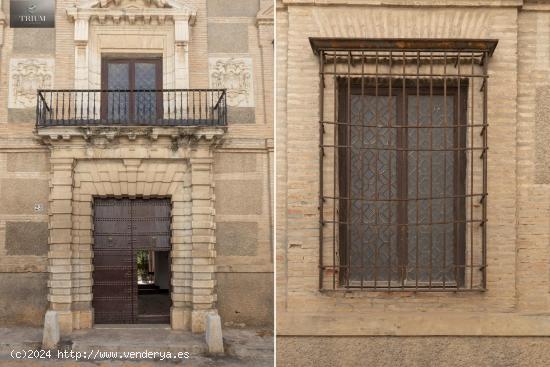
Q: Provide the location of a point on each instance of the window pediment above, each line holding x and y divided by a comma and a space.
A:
132, 4
136, 4
132, 10
119, 20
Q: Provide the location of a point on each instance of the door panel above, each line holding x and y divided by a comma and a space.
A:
121, 227
113, 299
146, 107
151, 224
118, 103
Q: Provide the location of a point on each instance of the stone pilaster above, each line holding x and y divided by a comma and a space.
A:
203, 236
182, 247
181, 38
81, 52
82, 263
2, 24
265, 23
60, 280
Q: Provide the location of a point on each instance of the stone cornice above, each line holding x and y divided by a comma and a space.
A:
132, 14
536, 5
101, 135
95, 12
265, 16
411, 3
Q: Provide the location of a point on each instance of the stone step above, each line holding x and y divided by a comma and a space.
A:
137, 339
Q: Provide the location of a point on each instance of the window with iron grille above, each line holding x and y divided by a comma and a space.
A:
403, 163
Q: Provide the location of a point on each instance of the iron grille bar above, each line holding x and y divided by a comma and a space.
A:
321, 160
126, 107
403, 195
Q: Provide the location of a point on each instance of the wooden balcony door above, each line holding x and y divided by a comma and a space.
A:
131, 91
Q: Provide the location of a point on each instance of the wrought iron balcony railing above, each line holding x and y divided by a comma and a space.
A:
166, 107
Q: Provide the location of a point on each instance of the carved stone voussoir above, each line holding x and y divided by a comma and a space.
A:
26, 76
234, 74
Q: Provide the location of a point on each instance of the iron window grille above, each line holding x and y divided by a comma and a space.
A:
403, 163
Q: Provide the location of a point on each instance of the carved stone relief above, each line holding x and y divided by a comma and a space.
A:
26, 76
234, 74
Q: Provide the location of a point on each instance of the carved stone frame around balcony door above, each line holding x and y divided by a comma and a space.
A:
153, 27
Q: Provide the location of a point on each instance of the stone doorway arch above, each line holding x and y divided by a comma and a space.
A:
101, 162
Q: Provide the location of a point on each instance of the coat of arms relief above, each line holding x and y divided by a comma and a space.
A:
26, 77
234, 74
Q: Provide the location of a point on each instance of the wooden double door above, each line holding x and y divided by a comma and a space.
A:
122, 227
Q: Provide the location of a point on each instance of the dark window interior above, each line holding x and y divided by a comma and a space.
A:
133, 90
401, 182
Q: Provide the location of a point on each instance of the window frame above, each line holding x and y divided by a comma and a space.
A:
400, 59
353, 86
131, 61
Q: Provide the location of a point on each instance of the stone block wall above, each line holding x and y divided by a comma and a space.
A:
244, 255
24, 175
240, 41
24, 190
239, 33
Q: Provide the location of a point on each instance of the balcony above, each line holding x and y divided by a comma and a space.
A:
157, 108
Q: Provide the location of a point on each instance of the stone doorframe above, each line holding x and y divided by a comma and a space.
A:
131, 162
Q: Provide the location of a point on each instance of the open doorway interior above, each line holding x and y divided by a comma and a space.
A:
153, 286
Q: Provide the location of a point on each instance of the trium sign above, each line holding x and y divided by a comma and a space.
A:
32, 13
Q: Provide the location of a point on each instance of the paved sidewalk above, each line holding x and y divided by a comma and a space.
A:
244, 347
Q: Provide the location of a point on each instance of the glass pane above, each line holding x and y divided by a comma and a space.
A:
118, 78
430, 174
145, 79
373, 229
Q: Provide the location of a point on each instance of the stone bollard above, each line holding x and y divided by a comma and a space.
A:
50, 338
214, 338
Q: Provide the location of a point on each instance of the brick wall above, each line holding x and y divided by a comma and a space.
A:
517, 275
